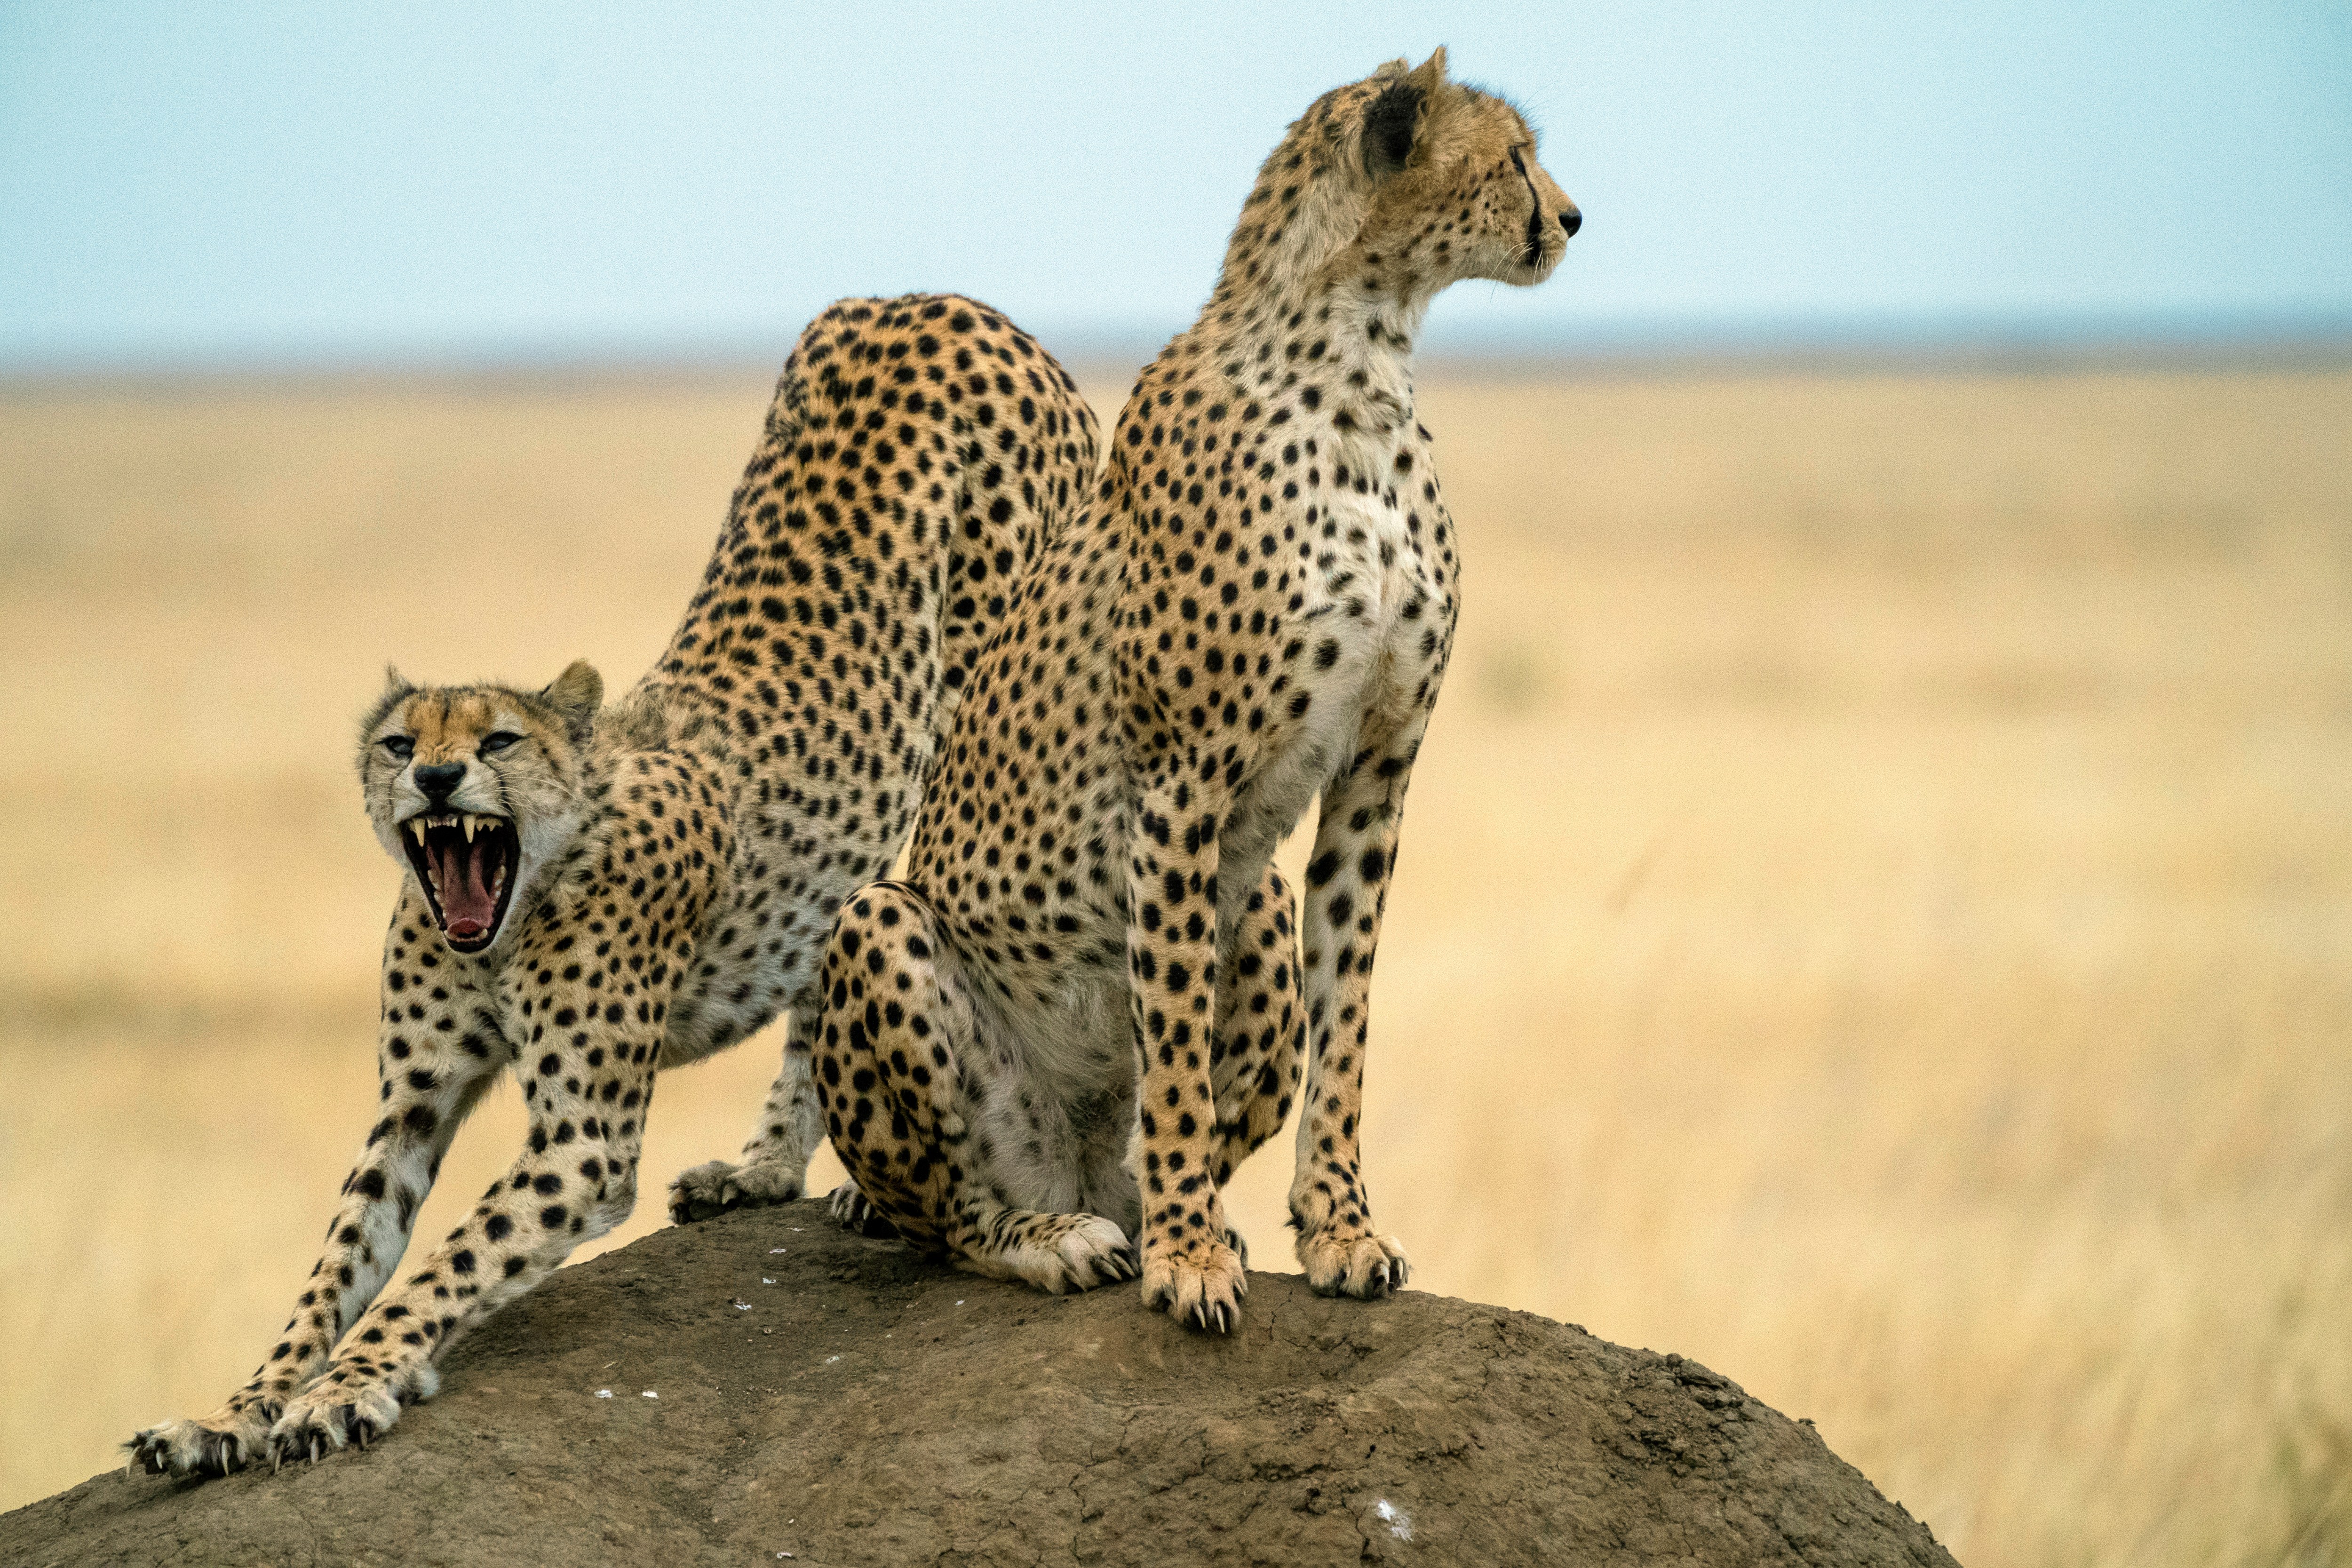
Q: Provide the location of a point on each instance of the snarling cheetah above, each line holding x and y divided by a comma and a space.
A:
1085, 1003
595, 892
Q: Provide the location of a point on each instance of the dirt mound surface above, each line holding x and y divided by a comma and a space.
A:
764, 1388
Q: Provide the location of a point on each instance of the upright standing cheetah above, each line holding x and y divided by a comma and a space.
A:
1082, 1006
595, 894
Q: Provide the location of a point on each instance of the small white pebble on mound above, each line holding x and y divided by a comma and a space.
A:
765, 1280
604, 1393
1400, 1522
649, 1394
773, 1250
831, 1359
742, 1306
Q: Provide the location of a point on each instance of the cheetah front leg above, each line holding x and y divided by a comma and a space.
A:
773, 1166
1347, 891
439, 1047
1191, 1270
587, 1076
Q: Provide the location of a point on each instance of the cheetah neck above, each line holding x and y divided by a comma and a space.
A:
1336, 355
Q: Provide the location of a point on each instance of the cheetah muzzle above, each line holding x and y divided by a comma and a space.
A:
466, 863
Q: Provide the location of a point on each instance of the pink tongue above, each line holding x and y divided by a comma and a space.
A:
466, 902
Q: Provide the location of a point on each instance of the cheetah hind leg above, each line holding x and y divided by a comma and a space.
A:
895, 1012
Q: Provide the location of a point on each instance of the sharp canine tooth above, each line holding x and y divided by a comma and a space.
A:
469, 828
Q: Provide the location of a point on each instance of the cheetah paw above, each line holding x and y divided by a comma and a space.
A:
1057, 1253
229, 1439
717, 1186
852, 1211
328, 1416
1202, 1289
1353, 1263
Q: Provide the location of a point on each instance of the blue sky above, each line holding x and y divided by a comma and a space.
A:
264, 184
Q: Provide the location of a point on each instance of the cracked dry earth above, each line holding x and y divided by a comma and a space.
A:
842, 1401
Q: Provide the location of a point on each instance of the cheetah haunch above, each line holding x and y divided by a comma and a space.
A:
1083, 1005
596, 894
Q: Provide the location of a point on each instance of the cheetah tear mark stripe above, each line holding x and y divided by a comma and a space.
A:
1534, 212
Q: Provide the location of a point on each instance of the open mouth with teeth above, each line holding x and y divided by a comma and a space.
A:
466, 864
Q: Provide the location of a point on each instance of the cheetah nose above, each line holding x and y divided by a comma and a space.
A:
437, 779
1570, 220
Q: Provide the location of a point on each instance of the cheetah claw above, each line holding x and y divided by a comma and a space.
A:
1203, 1293
1359, 1264
326, 1418
219, 1444
1219, 1316
314, 1436
1112, 1268
852, 1211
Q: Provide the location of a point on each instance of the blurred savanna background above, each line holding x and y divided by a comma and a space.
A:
1876, 910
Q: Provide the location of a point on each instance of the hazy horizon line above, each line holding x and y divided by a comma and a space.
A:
1991, 344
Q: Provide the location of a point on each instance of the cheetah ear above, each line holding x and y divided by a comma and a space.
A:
576, 694
1393, 121
396, 687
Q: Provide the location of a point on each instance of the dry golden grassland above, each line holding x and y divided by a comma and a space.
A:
1875, 912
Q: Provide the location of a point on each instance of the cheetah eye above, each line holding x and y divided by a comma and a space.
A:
498, 741
398, 745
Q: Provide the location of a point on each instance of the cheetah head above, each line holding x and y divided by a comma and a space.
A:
1406, 181
478, 789
1455, 167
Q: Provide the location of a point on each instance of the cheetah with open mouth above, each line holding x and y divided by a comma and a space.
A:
596, 892
1086, 1002
466, 880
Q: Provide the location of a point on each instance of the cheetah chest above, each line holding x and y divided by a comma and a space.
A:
1372, 598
